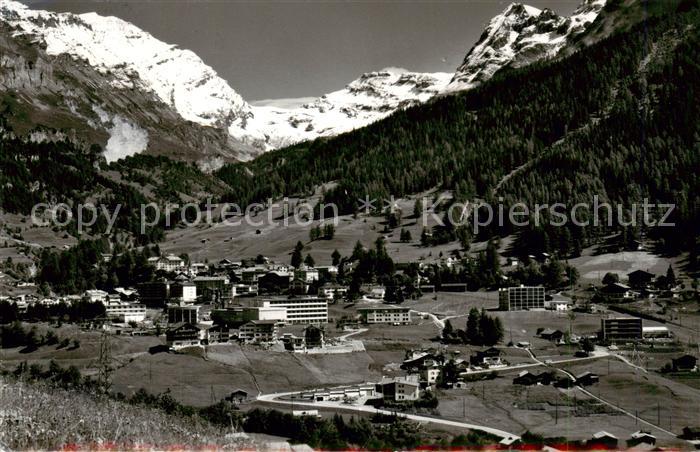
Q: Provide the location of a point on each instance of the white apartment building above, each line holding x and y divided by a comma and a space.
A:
266, 312
125, 312
385, 314
301, 309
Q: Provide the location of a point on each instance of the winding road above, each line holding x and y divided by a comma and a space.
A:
274, 398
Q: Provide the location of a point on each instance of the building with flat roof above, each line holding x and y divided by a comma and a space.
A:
304, 309
125, 312
400, 389
621, 328
385, 314
522, 298
656, 332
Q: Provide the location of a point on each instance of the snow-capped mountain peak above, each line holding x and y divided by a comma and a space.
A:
369, 98
518, 36
133, 92
134, 58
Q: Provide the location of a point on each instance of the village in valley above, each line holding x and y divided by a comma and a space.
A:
600, 352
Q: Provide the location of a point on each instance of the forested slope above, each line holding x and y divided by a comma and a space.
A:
617, 119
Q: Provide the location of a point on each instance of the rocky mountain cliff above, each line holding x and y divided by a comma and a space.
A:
102, 80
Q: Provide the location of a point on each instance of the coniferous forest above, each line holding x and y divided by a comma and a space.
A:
618, 119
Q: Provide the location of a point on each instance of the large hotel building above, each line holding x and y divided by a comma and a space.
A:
520, 298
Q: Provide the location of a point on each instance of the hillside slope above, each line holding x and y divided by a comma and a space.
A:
605, 118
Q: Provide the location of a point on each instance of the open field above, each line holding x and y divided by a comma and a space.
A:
592, 268
661, 401
450, 304
263, 233
123, 348
194, 377
548, 410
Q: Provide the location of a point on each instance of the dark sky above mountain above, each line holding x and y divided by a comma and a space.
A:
282, 49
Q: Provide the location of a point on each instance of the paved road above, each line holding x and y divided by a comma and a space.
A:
352, 333
274, 398
438, 323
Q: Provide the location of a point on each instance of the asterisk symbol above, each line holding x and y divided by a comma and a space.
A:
392, 204
366, 204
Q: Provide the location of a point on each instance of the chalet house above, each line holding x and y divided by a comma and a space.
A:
417, 361
604, 439
274, 282
430, 372
526, 378
640, 279
237, 396
691, 433
558, 305
313, 337
641, 437
259, 331
219, 334
587, 379
169, 263
184, 335
374, 292
551, 334
617, 292
685, 363
491, 357
292, 342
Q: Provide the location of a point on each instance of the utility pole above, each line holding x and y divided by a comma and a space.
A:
104, 363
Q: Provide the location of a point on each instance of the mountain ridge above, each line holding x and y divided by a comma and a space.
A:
184, 105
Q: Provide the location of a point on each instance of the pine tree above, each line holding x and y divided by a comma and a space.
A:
447, 330
297, 256
671, 276
335, 257
473, 333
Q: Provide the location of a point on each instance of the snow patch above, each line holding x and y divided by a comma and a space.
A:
125, 138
